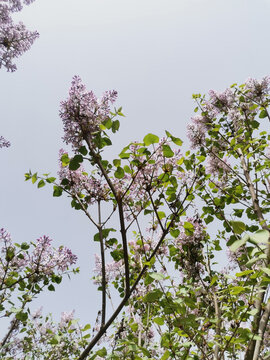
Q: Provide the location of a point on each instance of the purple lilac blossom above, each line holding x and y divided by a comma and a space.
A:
66, 317
81, 182
256, 88
197, 129
15, 39
113, 270
4, 142
83, 112
224, 99
47, 260
215, 165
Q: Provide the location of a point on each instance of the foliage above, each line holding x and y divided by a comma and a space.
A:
152, 207
175, 300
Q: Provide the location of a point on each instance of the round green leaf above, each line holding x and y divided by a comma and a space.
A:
150, 139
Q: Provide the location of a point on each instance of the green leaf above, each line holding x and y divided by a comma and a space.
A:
10, 253
159, 320
51, 287
167, 151
34, 178
237, 290
266, 270
65, 160
244, 273
116, 124
123, 154
25, 246
22, 316
176, 140
127, 169
54, 340
175, 232
41, 184
166, 355
28, 176
119, 173
238, 227
105, 234
157, 276
75, 163
238, 243
83, 150
260, 236
189, 228
116, 162
253, 312
57, 191
150, 139
263, 114
50, 180
102, 352
87, 327
153, 296
161, 214
214, 280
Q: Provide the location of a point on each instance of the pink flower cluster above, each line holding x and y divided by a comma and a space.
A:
113, 270
219, 168
197, 236
81, 182
15, 39
44, 259
258, 89
197, 129
235, 104
83, 112
4, 142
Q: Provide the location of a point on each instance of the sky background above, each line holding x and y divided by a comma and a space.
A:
156, 54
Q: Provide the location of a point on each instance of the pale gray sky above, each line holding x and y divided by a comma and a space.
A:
155, 54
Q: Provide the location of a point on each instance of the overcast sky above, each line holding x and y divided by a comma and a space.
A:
155, 54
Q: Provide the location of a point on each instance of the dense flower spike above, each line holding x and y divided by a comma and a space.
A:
15, 39
83, 112
47, 260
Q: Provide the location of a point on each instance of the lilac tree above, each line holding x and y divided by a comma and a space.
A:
157, 250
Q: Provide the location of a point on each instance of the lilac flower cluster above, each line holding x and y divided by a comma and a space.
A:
113, 270
46, 259
198, 232
81, 182
235, 104
4, 142
219, 168
258, 89
196, 131
83, 112
43, 338
15, 39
